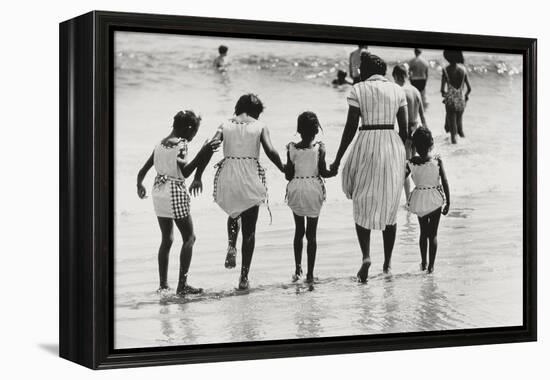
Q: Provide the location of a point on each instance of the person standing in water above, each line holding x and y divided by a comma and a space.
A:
453, 79
240, 182
305, 192
170, 196
431, 196
418, 72
220, 62
415, 112
374, 173
355, 62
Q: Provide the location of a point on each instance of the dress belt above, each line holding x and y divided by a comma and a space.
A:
240, 158
374, 127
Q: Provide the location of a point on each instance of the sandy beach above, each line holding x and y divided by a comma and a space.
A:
477, 282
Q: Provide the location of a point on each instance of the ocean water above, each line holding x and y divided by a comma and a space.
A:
477, 282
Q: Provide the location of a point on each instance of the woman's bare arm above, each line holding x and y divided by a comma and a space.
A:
270, 151
403, 122
350, 130
141, 175
468, 86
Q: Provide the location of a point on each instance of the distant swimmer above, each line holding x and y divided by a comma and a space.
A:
418, 73
220, 62
355, 62
341, 79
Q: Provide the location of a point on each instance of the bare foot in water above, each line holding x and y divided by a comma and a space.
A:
231, 258
163, 289
363, 273
297, 274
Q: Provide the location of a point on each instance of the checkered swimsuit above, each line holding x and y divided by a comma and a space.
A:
173, 199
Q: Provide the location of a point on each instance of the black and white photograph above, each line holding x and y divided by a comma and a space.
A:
274, 190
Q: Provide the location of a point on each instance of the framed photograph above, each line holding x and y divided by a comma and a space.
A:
234, 189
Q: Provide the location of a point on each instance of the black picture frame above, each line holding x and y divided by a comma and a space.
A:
86, 184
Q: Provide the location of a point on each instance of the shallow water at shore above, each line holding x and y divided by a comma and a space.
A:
477, 282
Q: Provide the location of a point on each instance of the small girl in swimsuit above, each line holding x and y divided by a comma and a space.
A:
430, 198
305, 191
170, 196
453, 79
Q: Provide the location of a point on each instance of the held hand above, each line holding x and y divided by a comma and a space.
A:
334, 168
211, 146
141, 192
196, 187
467, 97
289, 171
445, 209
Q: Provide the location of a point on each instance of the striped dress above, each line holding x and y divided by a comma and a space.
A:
374, 172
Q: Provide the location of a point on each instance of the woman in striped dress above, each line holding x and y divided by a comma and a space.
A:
374, 172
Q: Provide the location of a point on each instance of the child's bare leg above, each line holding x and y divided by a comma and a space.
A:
248, 219
299, 233
311, 235
185, 226
363, 235
388, 235
434, 218
166, 230
423, 240
233, 227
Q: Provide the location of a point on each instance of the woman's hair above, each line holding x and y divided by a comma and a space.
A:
370, 65
249, 104
308, 124
400, 72
184, 121
422, 140
222, 49
453, 56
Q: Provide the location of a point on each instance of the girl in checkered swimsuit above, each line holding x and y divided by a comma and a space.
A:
240, 184
305, 192
170, 196
430, 198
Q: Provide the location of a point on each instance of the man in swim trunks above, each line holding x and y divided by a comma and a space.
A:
418, 73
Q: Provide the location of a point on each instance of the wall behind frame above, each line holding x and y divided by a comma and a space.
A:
28, 197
